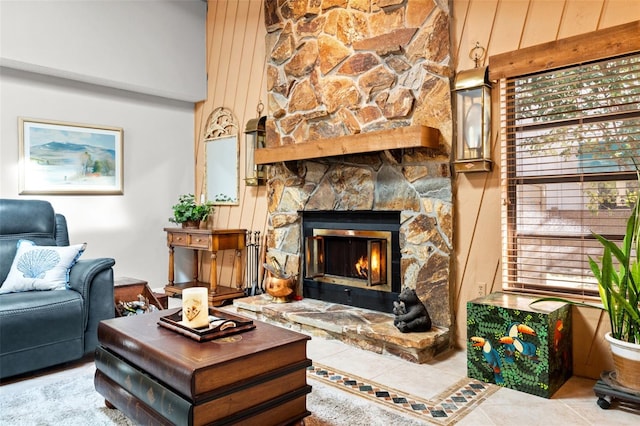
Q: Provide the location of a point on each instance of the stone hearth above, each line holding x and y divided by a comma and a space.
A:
365, 329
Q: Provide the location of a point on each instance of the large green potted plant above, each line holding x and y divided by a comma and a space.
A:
619, 287
188, 213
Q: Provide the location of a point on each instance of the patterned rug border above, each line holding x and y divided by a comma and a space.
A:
446, 408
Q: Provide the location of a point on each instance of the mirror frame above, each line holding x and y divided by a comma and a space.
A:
222, 127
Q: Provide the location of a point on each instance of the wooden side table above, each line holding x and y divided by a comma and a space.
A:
209, 240
127, 289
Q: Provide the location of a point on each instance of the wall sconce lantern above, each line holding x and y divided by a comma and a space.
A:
473, 117
255, 138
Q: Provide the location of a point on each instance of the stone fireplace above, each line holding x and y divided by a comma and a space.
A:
346, 79
373, 183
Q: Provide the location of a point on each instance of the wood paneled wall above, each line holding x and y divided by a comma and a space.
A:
236, 80
502, 26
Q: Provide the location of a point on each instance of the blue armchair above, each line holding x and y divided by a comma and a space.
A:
39, 329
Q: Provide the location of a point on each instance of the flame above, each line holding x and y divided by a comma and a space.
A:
362, 266
374, 261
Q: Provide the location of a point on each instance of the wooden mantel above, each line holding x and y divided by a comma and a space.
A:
402, 137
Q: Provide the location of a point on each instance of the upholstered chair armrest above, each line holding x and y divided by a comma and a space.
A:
93, 279
83, 272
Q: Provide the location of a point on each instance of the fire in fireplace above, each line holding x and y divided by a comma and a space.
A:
352, 257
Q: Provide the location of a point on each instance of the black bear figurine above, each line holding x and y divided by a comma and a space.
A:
411, 314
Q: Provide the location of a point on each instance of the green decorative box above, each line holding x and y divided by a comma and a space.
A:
515, 345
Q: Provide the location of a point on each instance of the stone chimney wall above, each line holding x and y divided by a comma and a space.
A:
342, 67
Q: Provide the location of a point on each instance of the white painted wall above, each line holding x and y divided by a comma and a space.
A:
149, 46
156, 113
158, 166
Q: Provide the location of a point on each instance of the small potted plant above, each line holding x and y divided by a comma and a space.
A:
619, 288
188, 213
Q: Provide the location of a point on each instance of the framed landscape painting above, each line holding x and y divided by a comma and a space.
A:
69, 158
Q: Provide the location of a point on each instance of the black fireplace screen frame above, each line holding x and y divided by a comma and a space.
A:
368, 298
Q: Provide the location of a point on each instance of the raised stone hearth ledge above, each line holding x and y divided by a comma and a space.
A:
362, 328
403, 137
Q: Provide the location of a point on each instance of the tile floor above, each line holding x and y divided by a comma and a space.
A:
573, 404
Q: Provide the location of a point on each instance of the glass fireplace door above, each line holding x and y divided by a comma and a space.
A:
347, 257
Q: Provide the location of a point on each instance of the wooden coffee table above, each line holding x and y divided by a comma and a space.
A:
157, 376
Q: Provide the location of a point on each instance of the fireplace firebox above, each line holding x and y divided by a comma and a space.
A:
352, 257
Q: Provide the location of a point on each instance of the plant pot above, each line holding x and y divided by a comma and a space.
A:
626, 359
191, 224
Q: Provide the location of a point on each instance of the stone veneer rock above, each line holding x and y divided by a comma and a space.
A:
338, 68
342, 67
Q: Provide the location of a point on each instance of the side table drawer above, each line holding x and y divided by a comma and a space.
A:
189, 240
178, 239
198, 241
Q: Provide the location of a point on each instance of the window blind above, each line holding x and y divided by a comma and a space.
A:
571, 136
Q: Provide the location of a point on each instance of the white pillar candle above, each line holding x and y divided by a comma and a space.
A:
195, 307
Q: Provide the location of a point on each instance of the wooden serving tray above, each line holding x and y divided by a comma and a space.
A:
225, 324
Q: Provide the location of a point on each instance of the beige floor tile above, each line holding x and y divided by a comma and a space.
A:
506, 397
508, 411
423, 381
360, 363
452, 362
317, 348
594, 415
477, 417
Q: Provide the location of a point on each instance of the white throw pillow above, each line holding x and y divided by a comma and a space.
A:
41, 267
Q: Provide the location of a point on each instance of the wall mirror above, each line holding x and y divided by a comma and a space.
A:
222, 158
222, 170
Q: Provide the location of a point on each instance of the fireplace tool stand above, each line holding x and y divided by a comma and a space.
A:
253, 285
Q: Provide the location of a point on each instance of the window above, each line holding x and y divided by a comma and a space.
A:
571, 137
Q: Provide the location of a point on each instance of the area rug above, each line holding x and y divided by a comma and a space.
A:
73, 401
336, 399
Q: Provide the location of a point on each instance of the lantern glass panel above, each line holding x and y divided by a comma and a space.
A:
260, 143
249, 158
471, 124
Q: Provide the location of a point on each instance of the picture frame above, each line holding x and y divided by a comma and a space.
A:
70, 158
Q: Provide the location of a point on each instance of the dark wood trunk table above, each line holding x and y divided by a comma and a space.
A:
158, 376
